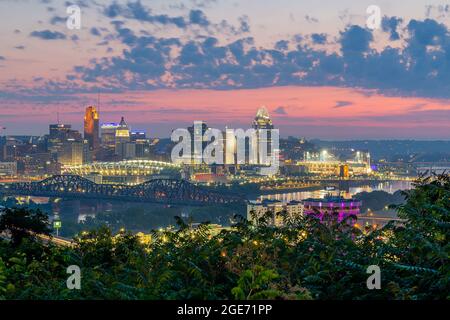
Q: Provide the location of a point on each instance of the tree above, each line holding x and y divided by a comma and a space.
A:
21, 223
255, 284
304, 258
421, 245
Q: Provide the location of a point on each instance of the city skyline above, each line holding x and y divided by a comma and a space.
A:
286, 118
319, 70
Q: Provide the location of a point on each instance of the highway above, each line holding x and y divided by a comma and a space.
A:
60, 241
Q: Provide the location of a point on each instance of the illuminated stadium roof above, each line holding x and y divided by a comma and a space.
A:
121, 168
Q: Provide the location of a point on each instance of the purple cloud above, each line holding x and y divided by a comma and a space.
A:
48, 35
341, 104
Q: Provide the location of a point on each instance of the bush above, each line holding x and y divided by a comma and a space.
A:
305, 259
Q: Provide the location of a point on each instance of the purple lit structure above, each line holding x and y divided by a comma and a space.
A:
328, 206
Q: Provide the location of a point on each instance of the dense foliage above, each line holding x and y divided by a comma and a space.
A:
379, 200
305, 259
22, 224
143, 218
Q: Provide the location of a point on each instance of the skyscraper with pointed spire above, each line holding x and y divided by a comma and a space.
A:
122, 132
125, 149
262, 122
262, 119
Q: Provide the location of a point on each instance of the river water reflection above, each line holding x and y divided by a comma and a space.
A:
77, 210
387, 186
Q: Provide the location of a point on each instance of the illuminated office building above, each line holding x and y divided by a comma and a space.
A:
229, 142
344, 171
362, 157
122, 133
141, 143
73, 152
58, 134
136, 135
143, 148
8, 169
262, 121
91, 128
197, 132
125, 149
59, 130
108, 134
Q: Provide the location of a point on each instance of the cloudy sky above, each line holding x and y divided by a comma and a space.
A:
163, 64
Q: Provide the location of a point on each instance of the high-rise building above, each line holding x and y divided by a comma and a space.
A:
91, 127
143, 149
73, 152
58, 134
8, 169
58, 130
122, 132
142, 144
136, 135
344, 171
108, 134
198, 141
124, 149
262, 122
230, 146
362, 157
262, 119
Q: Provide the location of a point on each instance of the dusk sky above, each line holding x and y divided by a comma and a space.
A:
162, 64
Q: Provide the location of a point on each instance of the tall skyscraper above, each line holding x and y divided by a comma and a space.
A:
58, 130
58, 134
122, 132
125, 149
136, 135
230, 146
139, 139
198, 142
108, 134
91, 128
72, 152
262, 121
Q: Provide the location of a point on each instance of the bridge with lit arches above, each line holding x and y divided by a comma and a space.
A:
169, 191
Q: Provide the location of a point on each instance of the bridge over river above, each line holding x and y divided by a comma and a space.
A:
168, 191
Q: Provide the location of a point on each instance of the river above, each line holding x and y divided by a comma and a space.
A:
387, 186
78, 210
